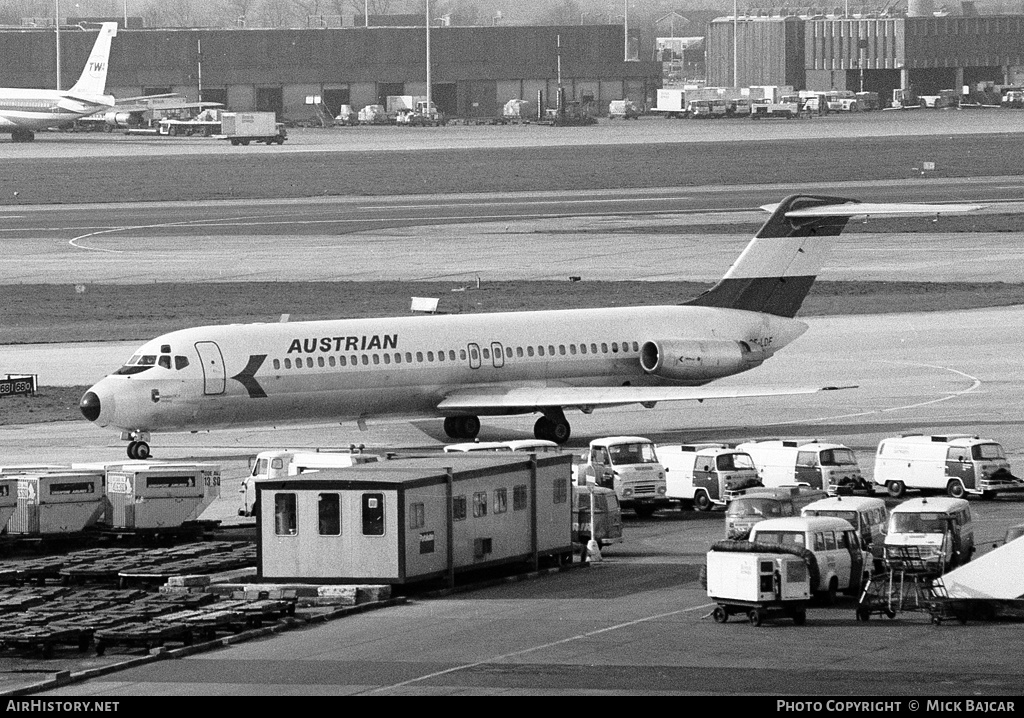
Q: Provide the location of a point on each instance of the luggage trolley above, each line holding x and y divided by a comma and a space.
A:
907, 584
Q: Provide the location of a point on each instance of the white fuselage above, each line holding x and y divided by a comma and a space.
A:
303, 372
38, 109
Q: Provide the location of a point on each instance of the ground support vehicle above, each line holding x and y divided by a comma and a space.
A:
958, 464
671, 102
280, 464
188, 128
706, 109
818, 464
629, 466
757, 584
903, 586
623, 110
241, 128
420, 116
786, 108
705, 476
760, 503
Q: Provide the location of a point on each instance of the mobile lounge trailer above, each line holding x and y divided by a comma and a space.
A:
409, 520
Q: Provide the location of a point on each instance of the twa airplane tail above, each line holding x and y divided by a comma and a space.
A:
93, 80
775, 272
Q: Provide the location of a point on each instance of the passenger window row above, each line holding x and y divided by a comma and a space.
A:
443, 355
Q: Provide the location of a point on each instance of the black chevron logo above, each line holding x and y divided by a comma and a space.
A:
247, 377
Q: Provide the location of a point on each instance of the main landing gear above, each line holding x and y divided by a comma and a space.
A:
553, 426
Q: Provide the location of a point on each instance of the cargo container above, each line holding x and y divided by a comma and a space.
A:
241, 128
160, 495
411, 520
58, 503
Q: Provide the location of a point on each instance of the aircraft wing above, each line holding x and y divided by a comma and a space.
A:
856, 209
488, 400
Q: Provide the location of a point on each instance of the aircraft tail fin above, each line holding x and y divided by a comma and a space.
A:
93, 80
775, 272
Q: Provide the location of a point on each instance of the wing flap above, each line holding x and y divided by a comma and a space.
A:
484, 400
856, 209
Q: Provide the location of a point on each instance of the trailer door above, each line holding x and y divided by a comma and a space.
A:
212, 362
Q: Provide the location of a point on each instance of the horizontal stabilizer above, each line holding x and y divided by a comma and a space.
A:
501, 400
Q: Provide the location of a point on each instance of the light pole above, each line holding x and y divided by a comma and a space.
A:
428, 57
56, 25
366, 13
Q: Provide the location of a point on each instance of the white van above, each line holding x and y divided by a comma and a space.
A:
930, 535
956, 464
535, 446
703, 476
868, 516
818, 464
839, 562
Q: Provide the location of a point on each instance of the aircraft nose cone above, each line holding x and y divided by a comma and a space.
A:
90, 406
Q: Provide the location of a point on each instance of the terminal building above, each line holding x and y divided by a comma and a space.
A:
919, 49
474, 71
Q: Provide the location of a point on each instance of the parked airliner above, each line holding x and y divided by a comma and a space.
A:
22, 111
464, 366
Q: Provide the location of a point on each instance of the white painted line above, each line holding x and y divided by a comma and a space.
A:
563, 641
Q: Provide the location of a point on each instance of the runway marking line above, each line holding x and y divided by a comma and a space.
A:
524, 651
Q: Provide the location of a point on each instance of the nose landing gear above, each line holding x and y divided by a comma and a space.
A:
138, 450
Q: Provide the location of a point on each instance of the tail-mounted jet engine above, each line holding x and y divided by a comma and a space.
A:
691, 360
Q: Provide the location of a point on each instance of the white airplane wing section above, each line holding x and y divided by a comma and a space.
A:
490, 400
875, 209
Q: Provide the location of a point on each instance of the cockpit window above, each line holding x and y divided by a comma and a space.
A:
180, 362
138, 363
165, 361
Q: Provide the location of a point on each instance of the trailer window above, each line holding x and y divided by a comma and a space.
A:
479, 504
373, 514
500, 501
329, 513
519, 497
458, 508
417, 516
285, 518
561, 491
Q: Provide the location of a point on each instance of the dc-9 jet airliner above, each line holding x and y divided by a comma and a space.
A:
462, 367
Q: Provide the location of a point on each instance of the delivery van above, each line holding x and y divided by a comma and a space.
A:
703, 476
819, 464
839, 563
868, 516
629, 466
930, 535
958, 464
758, 504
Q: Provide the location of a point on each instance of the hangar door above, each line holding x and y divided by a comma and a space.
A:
482, 98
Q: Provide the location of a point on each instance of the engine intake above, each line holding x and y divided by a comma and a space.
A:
690, 360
